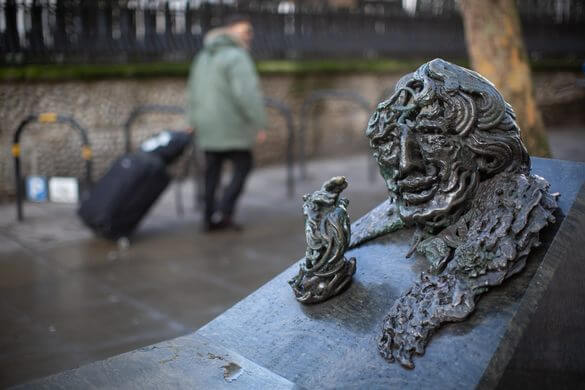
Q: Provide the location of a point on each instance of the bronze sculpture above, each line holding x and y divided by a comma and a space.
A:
325, 272
450, 152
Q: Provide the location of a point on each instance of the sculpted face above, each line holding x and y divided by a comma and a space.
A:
443, 130
319, 202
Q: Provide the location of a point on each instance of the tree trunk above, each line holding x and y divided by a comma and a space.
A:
496, 47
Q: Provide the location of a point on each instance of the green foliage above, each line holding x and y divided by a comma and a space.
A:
336, 66
92, 72
103, 71
267, 67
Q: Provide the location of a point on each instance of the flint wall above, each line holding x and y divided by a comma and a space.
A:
103, 106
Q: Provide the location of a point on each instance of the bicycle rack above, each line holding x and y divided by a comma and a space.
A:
309, 102
165, 109
286, 113
47, 117
282, 109
145, 109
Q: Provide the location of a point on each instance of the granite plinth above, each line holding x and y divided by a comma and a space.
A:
333, 344
188, 362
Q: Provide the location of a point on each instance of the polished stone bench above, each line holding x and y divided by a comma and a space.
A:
269, 340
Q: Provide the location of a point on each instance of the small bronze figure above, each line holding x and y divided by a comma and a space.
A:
450, 152
325, 271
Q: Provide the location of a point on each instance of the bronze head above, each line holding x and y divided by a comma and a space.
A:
444, 130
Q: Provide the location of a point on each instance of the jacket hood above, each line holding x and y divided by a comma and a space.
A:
220, 37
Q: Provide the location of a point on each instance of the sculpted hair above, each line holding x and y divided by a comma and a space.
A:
481, 116
498, 148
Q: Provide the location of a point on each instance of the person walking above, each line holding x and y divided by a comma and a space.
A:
226, 108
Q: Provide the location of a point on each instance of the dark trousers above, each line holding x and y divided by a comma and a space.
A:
242, 165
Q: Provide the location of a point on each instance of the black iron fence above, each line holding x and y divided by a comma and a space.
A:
117, 31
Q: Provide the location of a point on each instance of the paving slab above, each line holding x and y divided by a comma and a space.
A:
187, 362
69, 298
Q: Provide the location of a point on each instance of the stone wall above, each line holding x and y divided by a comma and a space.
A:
103, 106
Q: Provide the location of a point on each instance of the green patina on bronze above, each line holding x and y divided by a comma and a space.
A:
450, 152
325, 272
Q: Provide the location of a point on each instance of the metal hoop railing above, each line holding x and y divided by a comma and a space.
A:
47, 117
279, 106
308, 104
286, 113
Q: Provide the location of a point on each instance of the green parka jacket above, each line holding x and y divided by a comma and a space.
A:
225, 104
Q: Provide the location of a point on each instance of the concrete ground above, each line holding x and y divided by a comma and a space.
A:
568, 143
68, 298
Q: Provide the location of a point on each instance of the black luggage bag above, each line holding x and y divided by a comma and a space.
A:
167, 145
120, 199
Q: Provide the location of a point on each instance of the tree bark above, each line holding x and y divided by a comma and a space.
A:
496, 48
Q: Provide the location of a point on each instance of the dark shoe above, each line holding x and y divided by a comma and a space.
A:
229, 224
210, 227
234, 226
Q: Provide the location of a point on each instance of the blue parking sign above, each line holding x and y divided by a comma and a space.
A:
36, 188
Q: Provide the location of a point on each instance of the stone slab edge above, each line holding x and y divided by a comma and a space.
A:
188, 362
556, 253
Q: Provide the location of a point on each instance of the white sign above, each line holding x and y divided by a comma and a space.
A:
63, 190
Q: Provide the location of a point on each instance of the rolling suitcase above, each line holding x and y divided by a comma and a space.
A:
168, 145
120, 199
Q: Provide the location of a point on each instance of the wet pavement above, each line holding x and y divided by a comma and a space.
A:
68, 298
568, 143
